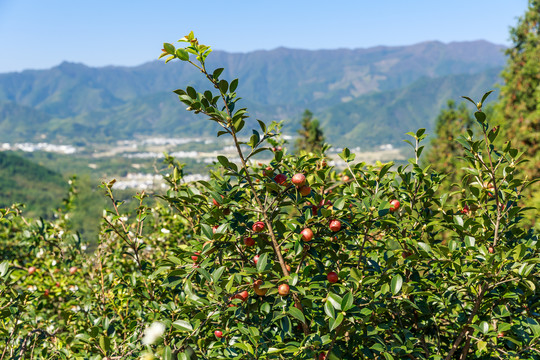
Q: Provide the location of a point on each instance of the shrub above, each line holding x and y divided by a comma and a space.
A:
180, 281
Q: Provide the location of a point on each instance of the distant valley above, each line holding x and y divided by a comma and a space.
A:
363, 97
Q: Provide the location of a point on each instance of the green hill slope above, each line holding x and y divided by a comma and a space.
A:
384, 118
22, 181
74, 101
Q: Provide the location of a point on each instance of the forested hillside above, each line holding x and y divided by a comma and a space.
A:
73, 102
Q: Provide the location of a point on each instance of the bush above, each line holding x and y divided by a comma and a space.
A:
225, 269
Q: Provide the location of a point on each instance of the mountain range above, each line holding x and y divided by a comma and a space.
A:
363, 97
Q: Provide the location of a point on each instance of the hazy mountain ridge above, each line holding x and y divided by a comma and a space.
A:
74, 101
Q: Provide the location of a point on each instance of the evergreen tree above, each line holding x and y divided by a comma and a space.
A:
311, 136
519, 106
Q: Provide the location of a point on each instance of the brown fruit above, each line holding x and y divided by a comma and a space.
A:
332, 277
305, 190
243, 295
283, 290
256, 287
249, 241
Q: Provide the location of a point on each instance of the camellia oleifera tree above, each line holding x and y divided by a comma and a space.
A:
289, 262
283, 260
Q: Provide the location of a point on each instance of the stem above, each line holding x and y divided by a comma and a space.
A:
464, 332
264, 211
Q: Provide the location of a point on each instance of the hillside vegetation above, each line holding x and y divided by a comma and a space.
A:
73, 102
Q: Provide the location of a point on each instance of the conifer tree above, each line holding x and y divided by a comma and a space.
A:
519, 106
311, 136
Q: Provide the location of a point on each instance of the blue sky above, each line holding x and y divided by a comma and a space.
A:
37, 34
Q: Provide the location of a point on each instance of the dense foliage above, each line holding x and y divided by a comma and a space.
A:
286, 260
519, 107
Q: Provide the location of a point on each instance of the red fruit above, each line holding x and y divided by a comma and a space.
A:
307, 234
214, 229
283, 290
314, 209
298, 179
73, 270
256, 287
305, 190
288, 268
258, 226
394, 205
249, 241
215, 202
500, 335
46, 292
280, 179
195, 257
491, 249
279, 148
256, 259
57, 284
243, 295
335, 225
322, 356
465, 210
218, 333
345, 178
31, 270
332, 277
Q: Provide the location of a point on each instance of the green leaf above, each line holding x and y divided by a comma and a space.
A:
216, 275
234, 85
223, 86
183, 325
329, 309
347, 302
217, 72
167, 353
468, 98
297, 314
169, 48
335, 323
335, 300
261, 263
182, 54
484, 326
397, 281
346, 155
262, 125
192, 93
485, 96
480, 116
105, 343
223, 161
